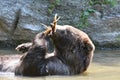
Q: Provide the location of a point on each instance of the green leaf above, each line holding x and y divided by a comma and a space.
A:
58, 2
86, 13
90, 10
91, 2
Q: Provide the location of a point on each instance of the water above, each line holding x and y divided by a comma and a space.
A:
105, 66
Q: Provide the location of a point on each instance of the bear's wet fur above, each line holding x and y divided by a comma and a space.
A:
29, 62
73, 47
24, 47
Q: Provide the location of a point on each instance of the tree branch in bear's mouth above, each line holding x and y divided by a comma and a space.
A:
53, 25
47, 31
44, 26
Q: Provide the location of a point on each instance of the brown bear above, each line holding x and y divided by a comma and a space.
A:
73, 52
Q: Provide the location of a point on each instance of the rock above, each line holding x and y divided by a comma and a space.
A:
20, 20
105, 30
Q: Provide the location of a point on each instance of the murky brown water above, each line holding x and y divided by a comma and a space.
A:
105, 66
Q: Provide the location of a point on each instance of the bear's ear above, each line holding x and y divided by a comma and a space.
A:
53, 25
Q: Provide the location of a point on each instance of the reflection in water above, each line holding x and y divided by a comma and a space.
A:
105, 66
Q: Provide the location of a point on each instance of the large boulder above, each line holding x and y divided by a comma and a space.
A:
105, 32
104, 27
20, 20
